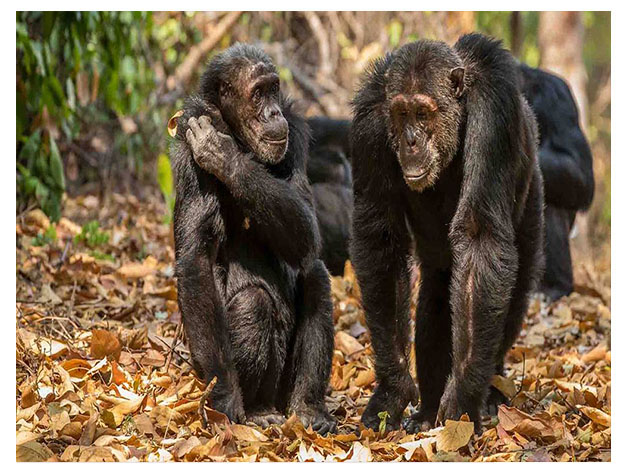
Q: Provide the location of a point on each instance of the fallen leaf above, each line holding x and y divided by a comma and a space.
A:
247, 433
32, 452
597, 415
104, 343
347, 344
113, 417
455, 434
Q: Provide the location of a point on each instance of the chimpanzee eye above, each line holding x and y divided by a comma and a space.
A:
421, 115
275, 88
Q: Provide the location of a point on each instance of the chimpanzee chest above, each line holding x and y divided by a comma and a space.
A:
429, 215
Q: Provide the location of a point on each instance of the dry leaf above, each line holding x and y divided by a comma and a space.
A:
105, 343
114, 417
32, 452
455, 434
597, 415
347, 344
173, 123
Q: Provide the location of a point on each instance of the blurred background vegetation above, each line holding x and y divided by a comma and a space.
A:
95, 89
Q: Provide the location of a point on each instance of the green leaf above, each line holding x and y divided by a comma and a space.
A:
164, 175
383, 418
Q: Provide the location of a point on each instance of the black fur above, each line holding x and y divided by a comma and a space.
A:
474, 226
255, 299
329, 174
566, 164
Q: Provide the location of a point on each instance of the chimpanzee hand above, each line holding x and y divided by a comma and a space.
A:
455, 403
229, 401
391, 396
317, 417
214, 151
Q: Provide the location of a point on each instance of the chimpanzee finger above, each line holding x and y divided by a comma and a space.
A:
189, 135
193, 124
204, 121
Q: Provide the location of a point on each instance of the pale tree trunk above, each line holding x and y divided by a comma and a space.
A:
560, 38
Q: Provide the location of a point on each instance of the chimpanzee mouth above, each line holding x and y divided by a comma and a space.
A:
416, 177
275, 141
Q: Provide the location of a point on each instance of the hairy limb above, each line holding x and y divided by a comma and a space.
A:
433, 345
380, 250
280, 215
198, 230
309, 365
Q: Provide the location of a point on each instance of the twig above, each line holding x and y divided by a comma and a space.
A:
174, 343
322, 40
196, 53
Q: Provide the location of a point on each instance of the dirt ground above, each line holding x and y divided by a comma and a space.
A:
103, 374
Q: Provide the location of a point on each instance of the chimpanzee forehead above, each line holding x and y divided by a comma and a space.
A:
259, 69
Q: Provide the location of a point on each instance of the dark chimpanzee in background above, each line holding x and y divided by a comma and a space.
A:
330, 176
254, 297
444, 165
566, 163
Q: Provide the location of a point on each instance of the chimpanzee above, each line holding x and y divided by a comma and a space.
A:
254, 297
330, 176
444, 165
566, 164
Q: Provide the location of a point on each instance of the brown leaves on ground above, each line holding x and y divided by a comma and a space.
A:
103, 371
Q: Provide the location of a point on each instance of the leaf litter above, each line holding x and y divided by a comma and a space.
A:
103, 370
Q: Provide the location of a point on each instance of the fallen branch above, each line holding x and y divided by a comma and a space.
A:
199, 51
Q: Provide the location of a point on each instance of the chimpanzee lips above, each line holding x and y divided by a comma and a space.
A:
275, 141
416, 176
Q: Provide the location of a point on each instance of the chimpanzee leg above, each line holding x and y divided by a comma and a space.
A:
529, 244
257, 352
558, 275
309, 364
433, 345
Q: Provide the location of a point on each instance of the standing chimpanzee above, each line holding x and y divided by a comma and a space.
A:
566, 163
254, 297
444, 165
330, 176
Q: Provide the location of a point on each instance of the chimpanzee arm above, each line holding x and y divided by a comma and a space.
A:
281, 210
198, 231
380, 249
485, 259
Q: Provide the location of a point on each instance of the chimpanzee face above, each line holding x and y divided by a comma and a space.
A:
251, 107
424, 117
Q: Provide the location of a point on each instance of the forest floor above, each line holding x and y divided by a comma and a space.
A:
103, 375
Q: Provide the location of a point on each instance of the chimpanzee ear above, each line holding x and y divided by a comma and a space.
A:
457, 78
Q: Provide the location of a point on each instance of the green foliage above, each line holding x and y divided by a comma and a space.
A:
395, 33
164, 178
40, 174
383, 420
75, 70
91, 235
102, 256
48, 237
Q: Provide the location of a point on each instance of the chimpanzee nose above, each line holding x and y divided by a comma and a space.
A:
411, 139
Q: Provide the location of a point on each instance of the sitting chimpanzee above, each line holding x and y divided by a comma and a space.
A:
444, 165
254, 297
566, 163
329, 174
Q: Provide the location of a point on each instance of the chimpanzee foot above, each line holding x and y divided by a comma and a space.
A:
392, 400
455, 403
317, 417
265, 419
420, 421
